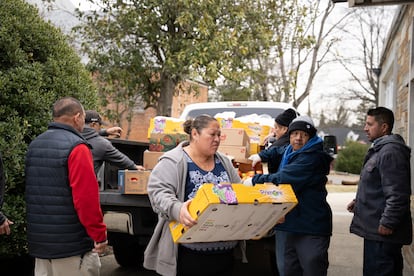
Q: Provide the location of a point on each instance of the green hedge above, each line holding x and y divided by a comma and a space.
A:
37, 66
351, 157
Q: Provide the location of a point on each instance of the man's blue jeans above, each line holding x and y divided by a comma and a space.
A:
382, 258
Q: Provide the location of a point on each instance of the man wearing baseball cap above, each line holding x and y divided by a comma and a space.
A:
102, 149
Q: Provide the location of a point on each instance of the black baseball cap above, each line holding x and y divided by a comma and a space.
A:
92, 116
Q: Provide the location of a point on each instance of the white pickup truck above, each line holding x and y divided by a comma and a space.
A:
130, 218
264, 110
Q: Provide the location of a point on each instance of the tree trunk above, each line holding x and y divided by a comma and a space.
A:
166, 96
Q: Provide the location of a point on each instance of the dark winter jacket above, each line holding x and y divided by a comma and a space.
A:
306, 170
273, 155
384, 190
53, 226
103, 150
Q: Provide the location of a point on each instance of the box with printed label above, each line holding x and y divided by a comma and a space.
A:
238, 153
234, 137
165, 141
151, 159
162, 124
133, 181
234, 212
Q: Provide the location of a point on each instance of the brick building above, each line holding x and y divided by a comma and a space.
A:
141, 118
397, 86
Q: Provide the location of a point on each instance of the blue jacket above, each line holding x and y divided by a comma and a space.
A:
306, 170
273, 155
384, 191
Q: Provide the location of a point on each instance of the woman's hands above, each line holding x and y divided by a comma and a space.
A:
185, 217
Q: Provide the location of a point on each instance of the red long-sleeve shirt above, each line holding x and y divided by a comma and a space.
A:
85, 192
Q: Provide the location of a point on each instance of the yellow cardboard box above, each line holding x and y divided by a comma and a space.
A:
254, 148
163, 124
133, 181
234, 212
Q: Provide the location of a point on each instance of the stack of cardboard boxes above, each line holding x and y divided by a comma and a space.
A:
235, 143
257, 132
164, 134
239, 140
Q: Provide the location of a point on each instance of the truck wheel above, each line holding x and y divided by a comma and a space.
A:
127, 250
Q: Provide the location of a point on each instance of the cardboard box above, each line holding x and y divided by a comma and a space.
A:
151, 159
256, 131
238, 153
254, 148
166, 141
234, 212
247, 167
162, 124
133, 181
234, 137
225, 122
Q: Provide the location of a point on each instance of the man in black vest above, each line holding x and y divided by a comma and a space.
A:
65, 227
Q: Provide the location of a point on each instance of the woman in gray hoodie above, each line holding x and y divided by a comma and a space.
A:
174, 181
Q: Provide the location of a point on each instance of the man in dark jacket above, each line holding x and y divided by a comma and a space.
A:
65, 228
102, 149
382, 204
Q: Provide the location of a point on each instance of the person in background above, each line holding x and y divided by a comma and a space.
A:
308, 227
173, 183
4, 221
111, 131
381, 208
272, 155
102, 148
65, 228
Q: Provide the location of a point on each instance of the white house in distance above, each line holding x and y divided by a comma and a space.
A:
344, 134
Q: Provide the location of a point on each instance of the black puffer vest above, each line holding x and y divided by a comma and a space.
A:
53, 227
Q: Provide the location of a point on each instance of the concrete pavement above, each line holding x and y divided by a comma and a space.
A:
346, 249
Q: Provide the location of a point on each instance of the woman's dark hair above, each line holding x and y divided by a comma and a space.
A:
200, 122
